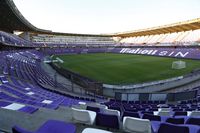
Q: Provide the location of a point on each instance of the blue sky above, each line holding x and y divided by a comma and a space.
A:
105, 16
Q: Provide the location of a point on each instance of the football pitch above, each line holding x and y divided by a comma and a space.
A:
124, 68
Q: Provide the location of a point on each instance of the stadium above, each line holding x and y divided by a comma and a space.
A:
140, 81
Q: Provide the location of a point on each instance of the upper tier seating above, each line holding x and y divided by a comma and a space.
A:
56, 41
170, 39
73, 41
14, 40
189, 38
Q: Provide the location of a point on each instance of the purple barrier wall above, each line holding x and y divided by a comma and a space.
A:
191, 53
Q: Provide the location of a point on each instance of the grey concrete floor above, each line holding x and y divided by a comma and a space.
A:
32, 122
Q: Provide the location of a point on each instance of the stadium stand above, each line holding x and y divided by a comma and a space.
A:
13, 40
32, 101
187, 38
21, 91
24, 72
72, 41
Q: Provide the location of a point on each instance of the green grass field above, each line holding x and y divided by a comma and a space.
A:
125, 68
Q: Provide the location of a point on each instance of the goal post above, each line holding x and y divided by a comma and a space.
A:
178, 64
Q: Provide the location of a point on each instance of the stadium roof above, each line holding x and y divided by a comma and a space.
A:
12, 20
170, 28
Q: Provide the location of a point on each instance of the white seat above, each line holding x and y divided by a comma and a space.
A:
14, 106
82, 105
164, 109
112, 112
101, 106
83, 116
194, 113
162, 113
47, 101
136, 125
93, 130
30, 93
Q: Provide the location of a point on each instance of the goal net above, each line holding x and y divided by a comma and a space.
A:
178, 65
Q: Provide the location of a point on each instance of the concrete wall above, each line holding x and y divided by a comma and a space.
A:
153, 88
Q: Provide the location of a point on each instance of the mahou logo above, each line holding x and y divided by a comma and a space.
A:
158, 52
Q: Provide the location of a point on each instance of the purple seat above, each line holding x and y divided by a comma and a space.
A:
177, 109
130, 109
175, 120
155, 126
141, 109
153, 109
147, 112
115, 108
193, 121
132, 114
151, 117
95, 109
50, 126
190, 109
192, 128
3, 103
180, 113
106, 120
171, 128
28, 109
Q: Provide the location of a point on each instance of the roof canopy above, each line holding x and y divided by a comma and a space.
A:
12, 20
170, 28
